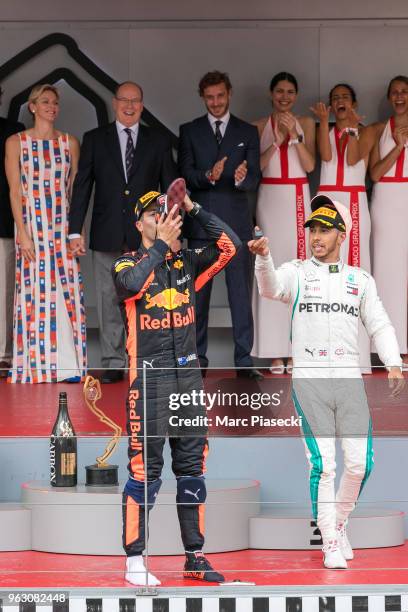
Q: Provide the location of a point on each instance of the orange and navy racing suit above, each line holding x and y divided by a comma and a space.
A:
156, 289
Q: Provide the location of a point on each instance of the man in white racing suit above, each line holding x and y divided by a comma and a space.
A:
327, 298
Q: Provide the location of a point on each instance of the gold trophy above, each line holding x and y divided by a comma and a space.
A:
101, 473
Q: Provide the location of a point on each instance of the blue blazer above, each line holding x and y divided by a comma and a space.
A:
198, 152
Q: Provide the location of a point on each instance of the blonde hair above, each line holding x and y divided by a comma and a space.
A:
38, 91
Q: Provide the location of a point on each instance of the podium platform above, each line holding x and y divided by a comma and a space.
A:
87, 521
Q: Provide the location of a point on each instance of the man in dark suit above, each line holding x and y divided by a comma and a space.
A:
219, 158
123, 160
7, 254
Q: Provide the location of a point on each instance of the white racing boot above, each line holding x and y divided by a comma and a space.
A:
136, 572
332, 556
343, 541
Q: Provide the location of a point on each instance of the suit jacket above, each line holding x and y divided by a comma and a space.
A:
198, 151
7, 128
100, 163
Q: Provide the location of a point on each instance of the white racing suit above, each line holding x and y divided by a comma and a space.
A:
326, 301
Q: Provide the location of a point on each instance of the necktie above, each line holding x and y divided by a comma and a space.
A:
218, 135
130, 151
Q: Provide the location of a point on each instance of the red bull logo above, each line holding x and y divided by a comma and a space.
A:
134, 421
168, 299
170, 320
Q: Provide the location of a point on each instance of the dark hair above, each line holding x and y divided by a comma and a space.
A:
215, 77
346, 86
128, 83
401, 78
283, 76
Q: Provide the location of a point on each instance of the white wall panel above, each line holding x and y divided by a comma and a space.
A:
367, 58
170, 62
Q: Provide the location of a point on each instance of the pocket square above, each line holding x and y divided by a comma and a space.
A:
241, 144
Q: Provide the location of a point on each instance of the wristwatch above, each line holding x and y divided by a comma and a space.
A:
195, 210
297, 140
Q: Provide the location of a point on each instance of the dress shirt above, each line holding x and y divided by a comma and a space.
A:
224, 122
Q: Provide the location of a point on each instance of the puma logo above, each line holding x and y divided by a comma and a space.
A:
193, 494
310, 351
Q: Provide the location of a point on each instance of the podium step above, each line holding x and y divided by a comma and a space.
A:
15, 527
88, 520
290, 527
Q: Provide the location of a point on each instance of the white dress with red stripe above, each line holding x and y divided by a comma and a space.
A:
346, 184
389, 217
282, 207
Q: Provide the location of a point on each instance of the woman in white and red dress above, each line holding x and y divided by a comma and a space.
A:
49, 317
389, 209
344, 151
287, 155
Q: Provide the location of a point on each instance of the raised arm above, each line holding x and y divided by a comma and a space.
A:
322, 112
224, 244
378, 166
273, 284
306, 147
253, 167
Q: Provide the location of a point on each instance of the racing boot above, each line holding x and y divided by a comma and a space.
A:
198, 568
136, 572
332, 556
343, 541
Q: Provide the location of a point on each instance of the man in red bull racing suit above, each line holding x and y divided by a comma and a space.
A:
156, 286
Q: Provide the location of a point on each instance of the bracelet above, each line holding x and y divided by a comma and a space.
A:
209, 175
297, 140
195, 210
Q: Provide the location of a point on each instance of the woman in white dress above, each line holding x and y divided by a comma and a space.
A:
287, 155
344, 151
389, 209
49, 339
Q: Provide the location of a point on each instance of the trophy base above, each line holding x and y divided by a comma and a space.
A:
101, 476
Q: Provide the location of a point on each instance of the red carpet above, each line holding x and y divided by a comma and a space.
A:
264, 567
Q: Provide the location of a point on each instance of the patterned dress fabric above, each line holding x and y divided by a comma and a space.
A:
49, 315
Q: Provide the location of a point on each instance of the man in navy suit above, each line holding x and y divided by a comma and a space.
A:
219, 159
123, 160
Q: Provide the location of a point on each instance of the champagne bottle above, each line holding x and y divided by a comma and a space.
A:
63, 448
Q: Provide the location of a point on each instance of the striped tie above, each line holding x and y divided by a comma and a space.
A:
130, 152
218, 135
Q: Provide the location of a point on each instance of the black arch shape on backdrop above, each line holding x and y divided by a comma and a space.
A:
84, 61
77, 84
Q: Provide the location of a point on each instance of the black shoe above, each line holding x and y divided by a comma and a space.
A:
198, 568
250, 373
112, 376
